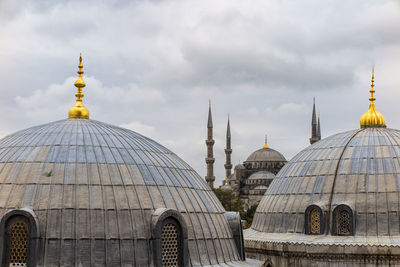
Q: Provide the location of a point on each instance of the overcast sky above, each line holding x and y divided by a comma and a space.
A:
152, 66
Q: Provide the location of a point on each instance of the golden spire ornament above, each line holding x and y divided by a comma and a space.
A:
79, 110
265, 145
372, 118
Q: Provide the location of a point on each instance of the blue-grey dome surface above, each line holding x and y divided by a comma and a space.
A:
94, 188
359, 168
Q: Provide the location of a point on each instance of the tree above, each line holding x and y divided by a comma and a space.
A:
249, 214
228, 200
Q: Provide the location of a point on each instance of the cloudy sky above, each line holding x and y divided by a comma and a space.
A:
152, 66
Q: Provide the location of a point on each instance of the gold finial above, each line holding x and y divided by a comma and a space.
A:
372, 118
226, 180
265, 145
79, 110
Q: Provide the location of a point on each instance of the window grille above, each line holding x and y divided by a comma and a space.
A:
315, 222
343, 223
17, 232
170, 245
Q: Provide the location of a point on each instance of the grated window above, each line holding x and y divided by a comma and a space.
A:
170, 245
315, 222
18, 247
343, 222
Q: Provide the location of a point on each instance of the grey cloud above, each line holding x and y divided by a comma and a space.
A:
153, 65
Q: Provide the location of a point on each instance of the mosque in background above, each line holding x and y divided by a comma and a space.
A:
79, 192
336, 203
250, 180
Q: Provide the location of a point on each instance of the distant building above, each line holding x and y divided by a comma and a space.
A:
251, 179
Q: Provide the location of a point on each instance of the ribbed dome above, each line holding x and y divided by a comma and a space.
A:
359, 169
265, 155
94, 188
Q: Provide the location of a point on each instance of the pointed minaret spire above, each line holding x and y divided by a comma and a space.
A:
210, 178
228, 152
319, 129
314, 137
209, 122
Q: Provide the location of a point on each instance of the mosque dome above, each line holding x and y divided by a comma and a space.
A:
265, 157
261, 175
333, 198
83, 192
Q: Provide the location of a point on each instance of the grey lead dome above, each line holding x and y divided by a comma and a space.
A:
94, 188
359, 168
266, 155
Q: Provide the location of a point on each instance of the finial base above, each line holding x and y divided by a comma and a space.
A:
78, 111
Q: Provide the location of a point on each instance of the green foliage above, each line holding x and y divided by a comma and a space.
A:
228, 200
231, 203
249, 214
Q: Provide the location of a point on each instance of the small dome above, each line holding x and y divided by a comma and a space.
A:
262, 175
266, 155
239, 167
260, 187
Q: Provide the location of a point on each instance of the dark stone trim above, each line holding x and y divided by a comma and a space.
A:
334, 218
262, 254
235, 224
307, 219
160, 217
34, 234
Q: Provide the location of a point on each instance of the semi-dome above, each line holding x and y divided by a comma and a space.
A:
261, 175
80, 192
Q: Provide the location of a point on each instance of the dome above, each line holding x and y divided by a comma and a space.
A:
358, 170
239, 167
262, 175
95, 193
266, 155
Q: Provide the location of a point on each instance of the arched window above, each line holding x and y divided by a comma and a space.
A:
171, 243
17, 241
314, 221
19, 236
343, 220
170, 238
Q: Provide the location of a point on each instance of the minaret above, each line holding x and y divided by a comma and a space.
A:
319, 129
79, 111
228, 152
210, 178
314, 138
